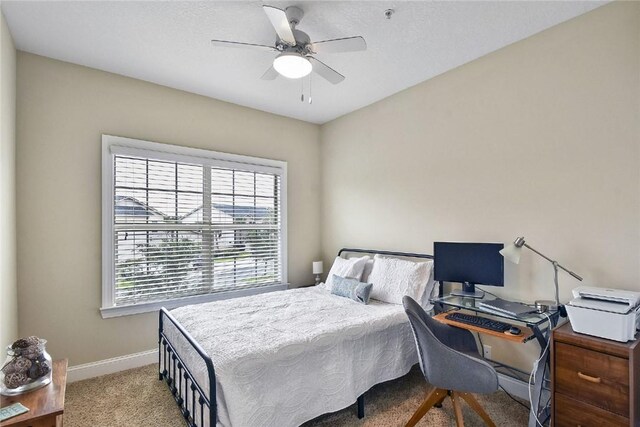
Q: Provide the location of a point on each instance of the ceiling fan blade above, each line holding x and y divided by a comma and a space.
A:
326, 72
226, 43
347, 44
270, 74
280, 23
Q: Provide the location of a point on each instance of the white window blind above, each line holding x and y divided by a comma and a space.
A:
186, 225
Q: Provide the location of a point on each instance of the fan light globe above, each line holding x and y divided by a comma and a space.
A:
292, 65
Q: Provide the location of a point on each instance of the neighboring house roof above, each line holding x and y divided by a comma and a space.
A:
243, 211
230, 211
130, 206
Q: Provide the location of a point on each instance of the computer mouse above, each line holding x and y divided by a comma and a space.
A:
515, 330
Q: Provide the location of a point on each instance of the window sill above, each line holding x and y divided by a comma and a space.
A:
147, 307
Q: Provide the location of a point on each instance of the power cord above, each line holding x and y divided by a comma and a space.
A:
533, 374
515, 400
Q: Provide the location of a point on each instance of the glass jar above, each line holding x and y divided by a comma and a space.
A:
27, 367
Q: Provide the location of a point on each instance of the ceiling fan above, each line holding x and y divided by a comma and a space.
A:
295, 59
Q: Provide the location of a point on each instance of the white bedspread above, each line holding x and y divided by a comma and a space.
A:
283, 358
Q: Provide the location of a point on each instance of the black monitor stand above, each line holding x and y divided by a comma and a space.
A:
468, 290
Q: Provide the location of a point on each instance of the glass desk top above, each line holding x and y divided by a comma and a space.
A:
468, 303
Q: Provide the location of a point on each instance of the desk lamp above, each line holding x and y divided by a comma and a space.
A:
512, 253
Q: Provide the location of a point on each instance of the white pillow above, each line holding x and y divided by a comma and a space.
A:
351, 268
394, 278
367, 271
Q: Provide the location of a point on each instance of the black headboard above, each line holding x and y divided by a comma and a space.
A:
392, 253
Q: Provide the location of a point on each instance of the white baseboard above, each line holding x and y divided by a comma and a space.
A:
111, 366
514, 386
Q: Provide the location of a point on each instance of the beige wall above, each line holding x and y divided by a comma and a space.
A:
540, 139
8, 283
62, 111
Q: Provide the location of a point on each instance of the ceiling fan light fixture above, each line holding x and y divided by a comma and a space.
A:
292, 65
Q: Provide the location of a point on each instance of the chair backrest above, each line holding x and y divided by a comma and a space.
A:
449, 356
429, 347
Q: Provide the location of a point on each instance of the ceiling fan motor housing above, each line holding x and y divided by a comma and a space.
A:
294, 15
303, 43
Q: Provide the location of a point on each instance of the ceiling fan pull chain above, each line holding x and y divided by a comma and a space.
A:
301, 90
310, 100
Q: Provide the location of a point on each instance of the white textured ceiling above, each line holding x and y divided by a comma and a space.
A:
168, 43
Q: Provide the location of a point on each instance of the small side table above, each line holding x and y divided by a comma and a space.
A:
46, 404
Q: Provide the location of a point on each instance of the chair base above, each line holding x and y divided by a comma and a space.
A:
437, 396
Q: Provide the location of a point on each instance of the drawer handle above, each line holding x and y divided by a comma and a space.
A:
595, 380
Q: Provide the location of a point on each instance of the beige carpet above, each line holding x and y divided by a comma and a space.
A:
137, 398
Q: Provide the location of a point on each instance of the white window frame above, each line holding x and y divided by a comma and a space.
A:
116, 145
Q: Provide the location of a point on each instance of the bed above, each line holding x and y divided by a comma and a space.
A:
281, 358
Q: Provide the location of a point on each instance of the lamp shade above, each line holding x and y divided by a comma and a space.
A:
292, 65
512, 253
317, 267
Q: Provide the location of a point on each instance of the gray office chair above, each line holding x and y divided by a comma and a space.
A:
450, 361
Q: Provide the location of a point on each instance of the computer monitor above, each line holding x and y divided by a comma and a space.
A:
470, 264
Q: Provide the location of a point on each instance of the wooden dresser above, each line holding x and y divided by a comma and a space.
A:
594, 382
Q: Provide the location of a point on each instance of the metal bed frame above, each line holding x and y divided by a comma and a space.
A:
188, 394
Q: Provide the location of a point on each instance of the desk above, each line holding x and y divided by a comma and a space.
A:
45, 404
539, 328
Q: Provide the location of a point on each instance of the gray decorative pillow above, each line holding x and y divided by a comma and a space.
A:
351, 288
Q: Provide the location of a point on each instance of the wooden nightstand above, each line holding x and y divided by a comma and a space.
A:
594, 381
46, 404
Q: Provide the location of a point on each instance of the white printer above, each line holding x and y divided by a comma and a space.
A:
606, 313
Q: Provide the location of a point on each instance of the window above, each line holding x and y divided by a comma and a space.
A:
183, 225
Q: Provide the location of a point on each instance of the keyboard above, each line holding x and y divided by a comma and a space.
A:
480, 322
